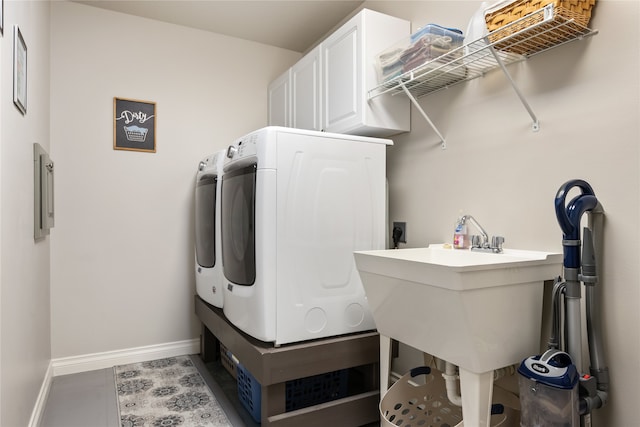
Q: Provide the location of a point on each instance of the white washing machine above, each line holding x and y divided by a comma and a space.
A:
209, 277
296, 204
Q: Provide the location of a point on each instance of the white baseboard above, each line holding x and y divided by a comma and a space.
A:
91, 362
38, 408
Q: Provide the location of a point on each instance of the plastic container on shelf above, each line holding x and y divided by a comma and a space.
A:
426, 44
437, 30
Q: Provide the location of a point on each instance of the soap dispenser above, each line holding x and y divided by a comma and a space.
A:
460, 236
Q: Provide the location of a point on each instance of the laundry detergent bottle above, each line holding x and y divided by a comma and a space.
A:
460, 235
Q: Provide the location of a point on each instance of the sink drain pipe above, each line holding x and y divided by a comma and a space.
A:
450, 379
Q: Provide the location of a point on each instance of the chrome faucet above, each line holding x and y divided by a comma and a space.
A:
481, 242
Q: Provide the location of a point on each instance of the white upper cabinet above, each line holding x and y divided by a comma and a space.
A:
279, 111
329, 85
305, 92
342, 66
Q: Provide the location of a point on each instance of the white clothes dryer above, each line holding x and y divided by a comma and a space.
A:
296, 204
209, 277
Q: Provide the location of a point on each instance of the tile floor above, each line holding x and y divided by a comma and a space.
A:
81, 400
88, 399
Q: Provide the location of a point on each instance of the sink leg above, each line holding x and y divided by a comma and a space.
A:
385, 364
477, 393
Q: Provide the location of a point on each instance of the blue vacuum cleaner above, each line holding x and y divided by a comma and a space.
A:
550, 394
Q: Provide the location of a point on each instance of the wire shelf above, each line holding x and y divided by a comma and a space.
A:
535, 33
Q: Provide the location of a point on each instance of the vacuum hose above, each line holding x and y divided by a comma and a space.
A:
559, 288
598, 368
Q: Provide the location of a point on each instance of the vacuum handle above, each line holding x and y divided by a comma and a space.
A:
562, 210
559, 356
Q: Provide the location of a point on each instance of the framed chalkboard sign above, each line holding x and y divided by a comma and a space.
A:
134, 125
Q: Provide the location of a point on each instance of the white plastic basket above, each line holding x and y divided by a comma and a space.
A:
409, 404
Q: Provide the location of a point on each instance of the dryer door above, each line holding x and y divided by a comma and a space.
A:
238, 225
205, 221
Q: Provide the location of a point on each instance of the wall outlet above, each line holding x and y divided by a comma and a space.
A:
403, 227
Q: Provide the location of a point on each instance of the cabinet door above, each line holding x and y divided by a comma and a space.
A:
328, 87
279, 111
341, 76
305, 92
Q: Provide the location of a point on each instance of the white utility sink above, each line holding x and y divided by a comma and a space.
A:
480, 311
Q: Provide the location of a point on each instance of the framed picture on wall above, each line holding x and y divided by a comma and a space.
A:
19, 71
1, 17
134, 125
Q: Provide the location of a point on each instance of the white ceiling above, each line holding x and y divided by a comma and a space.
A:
291, 24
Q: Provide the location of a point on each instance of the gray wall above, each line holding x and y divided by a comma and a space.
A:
116, 272
587, 97
25, 346
122, 249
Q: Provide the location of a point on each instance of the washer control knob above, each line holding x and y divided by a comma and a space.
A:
201, 166
231, 151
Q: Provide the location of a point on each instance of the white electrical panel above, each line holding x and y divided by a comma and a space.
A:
43, 210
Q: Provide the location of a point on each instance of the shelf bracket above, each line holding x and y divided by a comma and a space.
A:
536, 124
426, 117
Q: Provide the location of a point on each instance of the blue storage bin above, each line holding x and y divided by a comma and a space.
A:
316, 389
249, 392
299, 393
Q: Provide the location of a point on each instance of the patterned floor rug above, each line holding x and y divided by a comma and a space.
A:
166, 393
